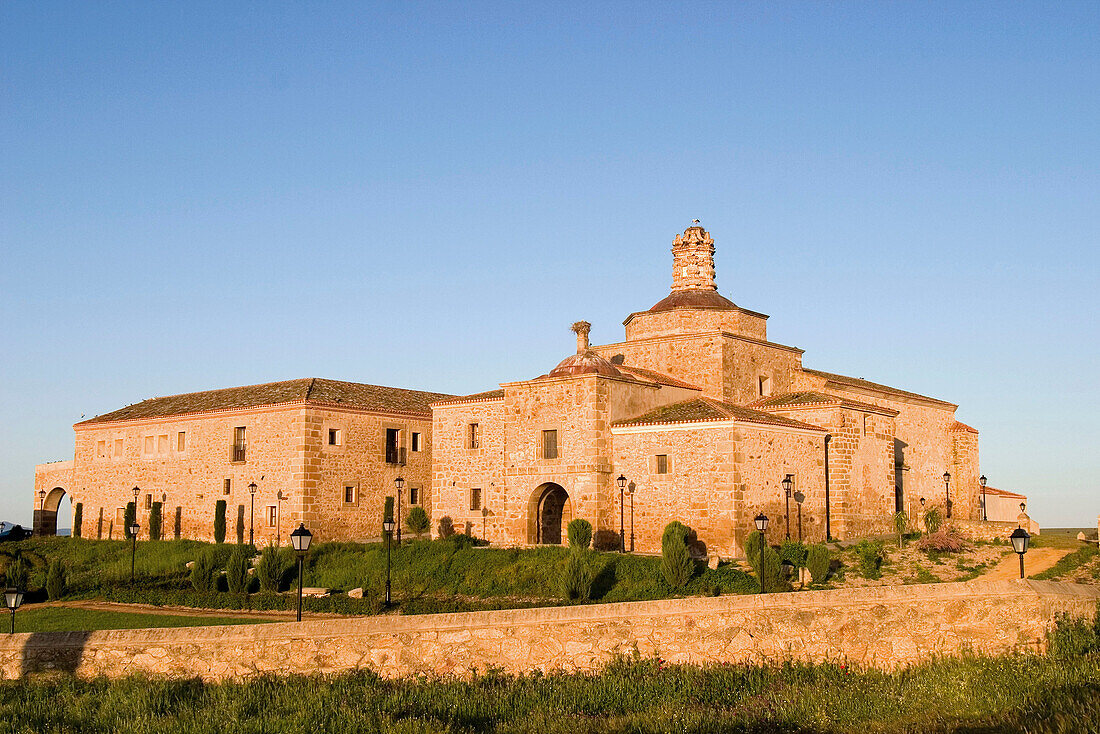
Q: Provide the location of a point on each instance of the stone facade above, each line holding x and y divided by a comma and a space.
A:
882, 627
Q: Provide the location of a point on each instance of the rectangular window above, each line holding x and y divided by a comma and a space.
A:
349, 494
414, 495
272, 515
148, 502
473, 436
228, 486
765, 386
415, 442
118, 447
239, 443
550, 444
101, 449
181, 441
149, 446
662, 463
334, 437
393, 443
162, 445
475, 500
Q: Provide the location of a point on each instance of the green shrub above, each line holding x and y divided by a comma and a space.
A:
677, 568
1073, 636
445, 527
793, 552
770, 573
579, 532
871, 556
204, 572
817, 562
219, 521
270, 569
55, 580
576, 581
1069, 563
240, 525
417, 521
129, 516
236, 570
17, 573
932, 519
156, 521
901, 523
78, 518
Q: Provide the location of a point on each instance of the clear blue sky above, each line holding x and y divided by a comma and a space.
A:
426, 195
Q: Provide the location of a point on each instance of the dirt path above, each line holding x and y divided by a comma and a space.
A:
110, 606
1036, 560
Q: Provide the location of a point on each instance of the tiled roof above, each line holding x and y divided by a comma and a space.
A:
474, 398
812, 399
960, 426
312, 390
859, 382
694, 298
700, 410
1004, 493
658, 377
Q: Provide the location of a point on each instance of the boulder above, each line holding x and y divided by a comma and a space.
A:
356, 593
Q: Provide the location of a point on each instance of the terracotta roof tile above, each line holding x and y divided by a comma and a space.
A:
960, 426
700, 410
473, 398
812, 398
859, 382
311, 390
658, 377
1004, 493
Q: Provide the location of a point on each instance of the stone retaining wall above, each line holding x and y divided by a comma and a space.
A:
883, 627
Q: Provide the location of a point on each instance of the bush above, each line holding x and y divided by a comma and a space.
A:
129, 516
576, 582
1072, 636
677, 568
871, 557
817, 562
901, 523
417, 521
78, 518
156, 521
240, 524
55, 580
236, 570
219, 521
580, 533
270, 569
16, 575
771, 560
204, 572
446, 527
793, 552
942, 541
932, 519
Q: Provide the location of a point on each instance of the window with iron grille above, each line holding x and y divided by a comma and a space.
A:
349, 494
475, 499
272, 515
550, 444
473, 436
238, 443
414, 495
662, 463
227, 487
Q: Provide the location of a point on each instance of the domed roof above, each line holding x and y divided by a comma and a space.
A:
585, 363
694, 298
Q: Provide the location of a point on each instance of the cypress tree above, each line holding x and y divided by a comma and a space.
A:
240, 524
78, 518
219, 521
128, 519
155, 521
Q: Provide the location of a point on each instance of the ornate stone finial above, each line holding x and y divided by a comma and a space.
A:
693, 260
582, 328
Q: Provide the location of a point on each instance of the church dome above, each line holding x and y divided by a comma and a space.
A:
585, 361
694, 298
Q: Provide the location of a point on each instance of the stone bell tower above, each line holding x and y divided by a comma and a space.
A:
693, 260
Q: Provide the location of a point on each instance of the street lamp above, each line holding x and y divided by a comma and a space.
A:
947, 491
799, 498
300, 539
134, 528
621, 481
787, 483
13, 599
252, 514
761, 521
399, 484
42, 499
982, 480
1019, 540
279, 497
630, 493
387, 527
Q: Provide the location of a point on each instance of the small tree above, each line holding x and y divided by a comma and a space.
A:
770, 571
901, 523
677, 567
219, 521
156, 521
579, 532
240, 524
793, 552
445, 527
871, 557
417, 521
236, 570
576, 581
269, 570
204, 571
932, 519
55, 580
817, 562
78, 518
129, 517
17, 573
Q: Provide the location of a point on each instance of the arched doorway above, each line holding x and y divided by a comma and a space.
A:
551, 511
45, 517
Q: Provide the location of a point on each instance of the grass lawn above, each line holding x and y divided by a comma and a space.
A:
65, 619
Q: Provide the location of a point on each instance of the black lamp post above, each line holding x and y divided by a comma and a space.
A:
300, 540
787, 483
799, 498
387, 528
13, 599
252, 514
399, 484
947, 491
761, 521
982, 480
41, 499
630, 493
1019, 539
137, 491
133, 547
621, 481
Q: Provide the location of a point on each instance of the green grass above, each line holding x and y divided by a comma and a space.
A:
65, 619
1068, 564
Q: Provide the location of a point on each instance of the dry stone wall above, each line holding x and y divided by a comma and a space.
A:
884, 627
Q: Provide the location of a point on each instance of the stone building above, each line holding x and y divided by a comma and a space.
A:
696, 409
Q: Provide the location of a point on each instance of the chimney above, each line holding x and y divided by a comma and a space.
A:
693, 260
582, 328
